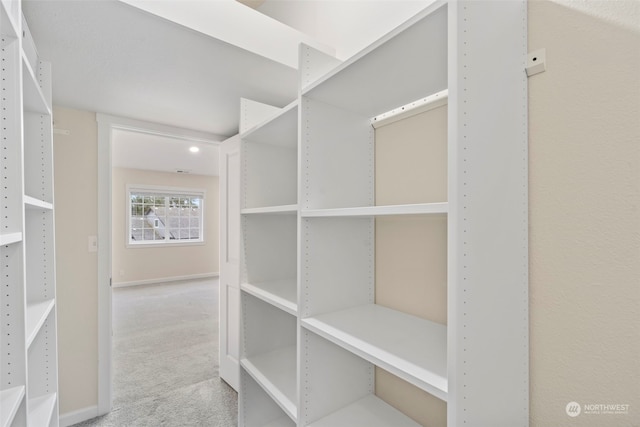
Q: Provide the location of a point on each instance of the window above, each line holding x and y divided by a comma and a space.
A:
165, 216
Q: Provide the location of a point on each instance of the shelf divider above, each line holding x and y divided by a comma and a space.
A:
409, 347
276, 373
37, 314
10, 400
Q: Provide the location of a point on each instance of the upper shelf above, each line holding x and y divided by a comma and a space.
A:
409, 61
368, 211
10, 238
280, 130
409, 347
8, 15
271, 210
37, 204
34, 99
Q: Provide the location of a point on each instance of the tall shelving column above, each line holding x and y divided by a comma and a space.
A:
13, 407
269, 156
29, 365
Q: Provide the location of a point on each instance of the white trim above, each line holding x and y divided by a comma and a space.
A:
150, 128
164, 279
106, 123
104, 266
70, 418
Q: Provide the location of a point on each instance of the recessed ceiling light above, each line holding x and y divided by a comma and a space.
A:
194, 149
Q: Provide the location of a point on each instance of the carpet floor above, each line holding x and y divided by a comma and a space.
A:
165, 359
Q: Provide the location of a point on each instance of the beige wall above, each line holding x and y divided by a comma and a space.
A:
584, 142
584, 183
76, 204
134, 264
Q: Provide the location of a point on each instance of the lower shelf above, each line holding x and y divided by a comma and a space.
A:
412, 348
369, 411
37, 314
276, 374
10, 401
41, 409
280, 293
282, 422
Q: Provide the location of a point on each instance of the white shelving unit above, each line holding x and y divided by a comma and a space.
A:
28, 371
385, 231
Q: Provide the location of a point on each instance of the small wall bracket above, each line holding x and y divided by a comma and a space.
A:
536, 62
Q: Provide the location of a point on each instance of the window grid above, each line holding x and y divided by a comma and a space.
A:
159, 217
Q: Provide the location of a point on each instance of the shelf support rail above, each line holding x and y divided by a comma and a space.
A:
411, 109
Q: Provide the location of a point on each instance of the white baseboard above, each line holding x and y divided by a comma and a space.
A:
163, 279
74, 417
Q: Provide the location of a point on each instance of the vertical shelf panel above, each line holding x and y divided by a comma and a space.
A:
10, 136
38, 157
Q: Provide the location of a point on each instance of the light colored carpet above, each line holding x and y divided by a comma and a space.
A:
165, 358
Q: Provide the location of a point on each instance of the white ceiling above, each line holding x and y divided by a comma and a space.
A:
113, 58
148, 151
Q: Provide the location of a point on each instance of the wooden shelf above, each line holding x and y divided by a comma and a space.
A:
37, 314
41, 409
10, 401
367, 211
280, 293
34, 100
412, 348
36, 204
382, 76
369, 411
276, 374
10, 238
283, 209
280, 130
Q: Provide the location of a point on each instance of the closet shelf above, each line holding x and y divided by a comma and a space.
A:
36, 204
409, 347
282, 209
34, 100
382, 76
279, 293
10, 238
276, 373
281, 422
367, 211
369, 411
280, 130
10, 400
8, 21
37, 314
41, 409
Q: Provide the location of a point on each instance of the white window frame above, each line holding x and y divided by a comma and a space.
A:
168, 191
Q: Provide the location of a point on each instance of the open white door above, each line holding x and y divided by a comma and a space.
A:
229, 298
